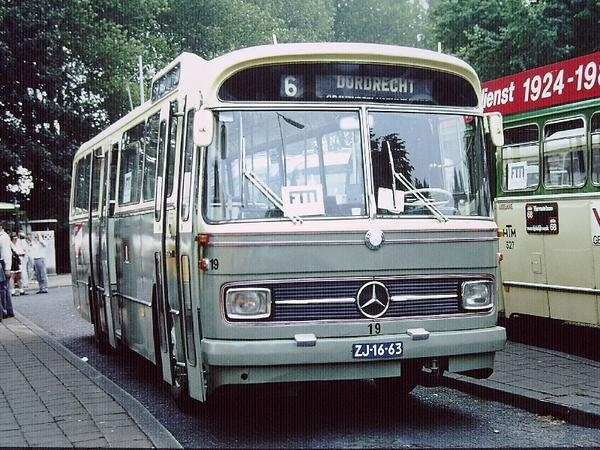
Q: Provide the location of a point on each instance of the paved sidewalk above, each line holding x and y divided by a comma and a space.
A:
51, 398
542, 381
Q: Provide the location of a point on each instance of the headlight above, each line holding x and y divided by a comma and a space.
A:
477, 294
248, 303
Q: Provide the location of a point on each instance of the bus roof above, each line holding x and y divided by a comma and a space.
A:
208, 75
230, 63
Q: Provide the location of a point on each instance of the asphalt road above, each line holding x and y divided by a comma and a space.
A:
317, 415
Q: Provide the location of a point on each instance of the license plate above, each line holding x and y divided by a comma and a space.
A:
377, 350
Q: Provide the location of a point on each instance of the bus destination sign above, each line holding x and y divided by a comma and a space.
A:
358, 87
555, 84
541, 218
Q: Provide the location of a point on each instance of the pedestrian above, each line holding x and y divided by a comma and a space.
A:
39, 263
5, 263
16, 283
25, 274
28, 245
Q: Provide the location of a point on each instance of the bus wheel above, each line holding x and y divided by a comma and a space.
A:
100, 337
101, 341
180, 391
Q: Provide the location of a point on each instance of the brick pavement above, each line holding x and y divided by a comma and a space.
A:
542, 381
51, 398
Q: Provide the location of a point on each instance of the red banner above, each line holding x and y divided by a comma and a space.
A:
563, 82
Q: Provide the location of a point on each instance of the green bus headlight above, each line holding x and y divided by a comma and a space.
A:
477, 295
248, 303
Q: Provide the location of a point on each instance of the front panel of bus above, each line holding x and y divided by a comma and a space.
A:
340, 238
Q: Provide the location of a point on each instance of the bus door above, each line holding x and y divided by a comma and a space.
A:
107, 268
166, 216
187, 247
98, 302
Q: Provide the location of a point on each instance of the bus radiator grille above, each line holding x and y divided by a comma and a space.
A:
335, 300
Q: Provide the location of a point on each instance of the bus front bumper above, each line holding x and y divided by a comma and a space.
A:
271, 361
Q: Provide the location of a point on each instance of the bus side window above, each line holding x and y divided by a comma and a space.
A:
81, 186
150, 152
95, 191
131, 165
595, 131
112, 182
520, 158
188, 156
565, 149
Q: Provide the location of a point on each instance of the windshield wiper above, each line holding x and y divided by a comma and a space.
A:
411, 189
265, 189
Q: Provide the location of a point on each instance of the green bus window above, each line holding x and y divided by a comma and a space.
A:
565, 154
520, 158
595, 132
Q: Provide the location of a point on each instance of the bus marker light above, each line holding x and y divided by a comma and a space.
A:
202, 239
203, 264
500, 257
500, 233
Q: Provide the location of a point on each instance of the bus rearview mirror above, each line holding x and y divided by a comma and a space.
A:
494, 123
203, 128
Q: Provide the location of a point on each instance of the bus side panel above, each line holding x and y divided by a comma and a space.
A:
80, 267
570, 263
523, 261
134, 252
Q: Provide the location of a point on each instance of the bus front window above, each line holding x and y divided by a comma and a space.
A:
295, 164
428, 164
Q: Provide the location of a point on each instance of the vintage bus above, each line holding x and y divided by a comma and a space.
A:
548, 189
291, 213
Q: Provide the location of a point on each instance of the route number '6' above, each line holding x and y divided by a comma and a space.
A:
289, 86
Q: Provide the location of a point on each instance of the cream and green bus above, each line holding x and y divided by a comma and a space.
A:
292, 213
548, 190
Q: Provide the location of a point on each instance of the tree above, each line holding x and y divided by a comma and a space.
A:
211, 28
504, 37
396, 22
63, 67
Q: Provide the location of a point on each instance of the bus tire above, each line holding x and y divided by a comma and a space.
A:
100, 337
180, 392
156, 329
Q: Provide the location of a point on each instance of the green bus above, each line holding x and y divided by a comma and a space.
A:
548, 189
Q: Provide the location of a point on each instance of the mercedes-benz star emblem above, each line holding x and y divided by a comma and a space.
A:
374, 239
373, 299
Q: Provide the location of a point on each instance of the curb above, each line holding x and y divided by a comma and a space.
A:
154, 430
531, 401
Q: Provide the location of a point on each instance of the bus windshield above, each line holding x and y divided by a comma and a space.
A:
302, 165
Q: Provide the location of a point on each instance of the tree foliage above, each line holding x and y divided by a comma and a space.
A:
395, 22
503, 37
210, 28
